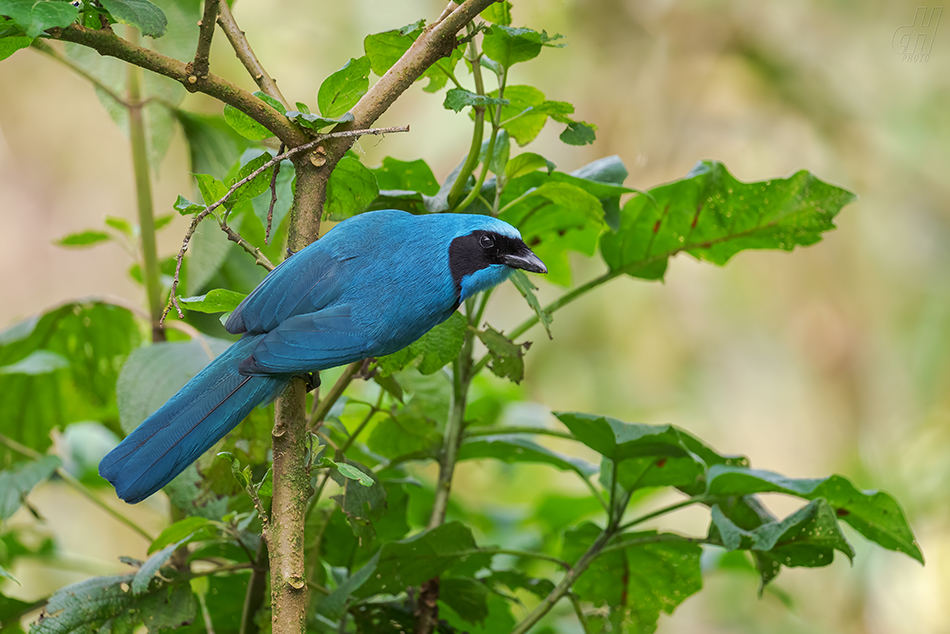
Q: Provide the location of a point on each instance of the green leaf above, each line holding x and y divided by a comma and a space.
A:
353, 473
316, 123
579, 133
246, 126
285, 196
6, 575
141, 14
712, 216
214, 146
351, 189
219, 300
874, 514
384, 49
527, 288
254, 187
340, 91
508, 46
414, 560
153, 374
334, 604
522, 118
405, 434
35, 17
94, 338
16, 483
406, 176
11, 44
498, 13
121, 225
36, 363
143, 578
179, 531
512, 448
507, 357
186, 207
212, 190
440, 345
467, 597
88, 605
656, 575
83, 239
458, 98
525, 163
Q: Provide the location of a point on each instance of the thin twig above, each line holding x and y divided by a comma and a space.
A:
48, 50
234, 236
273, 197
173, 299
327, 402
244, 53
199, 67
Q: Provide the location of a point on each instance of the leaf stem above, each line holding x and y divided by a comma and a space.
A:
699, 499
471, 160
495, 430
143, 195
78, 486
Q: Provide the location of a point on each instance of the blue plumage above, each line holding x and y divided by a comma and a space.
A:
373, 285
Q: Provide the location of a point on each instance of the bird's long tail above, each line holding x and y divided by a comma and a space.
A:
201, 413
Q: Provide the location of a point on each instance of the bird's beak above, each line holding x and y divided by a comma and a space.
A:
526, 260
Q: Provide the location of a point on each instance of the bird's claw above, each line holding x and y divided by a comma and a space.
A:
312, 381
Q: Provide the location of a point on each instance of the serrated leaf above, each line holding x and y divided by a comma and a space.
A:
83, 239
527, 288
507, 357
458, 98
351, 189
712, 216
440, 345
35, 17
219, 300
508, 46
88, 605
412, 561
340, 91
148, 570
874, 514
142, 14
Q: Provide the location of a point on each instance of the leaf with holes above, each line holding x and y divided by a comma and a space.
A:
712, 216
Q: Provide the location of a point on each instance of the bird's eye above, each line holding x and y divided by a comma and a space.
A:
486, 242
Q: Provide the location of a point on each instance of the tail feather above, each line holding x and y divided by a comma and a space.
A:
200, 414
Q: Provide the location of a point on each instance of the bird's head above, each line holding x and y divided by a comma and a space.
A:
486, 252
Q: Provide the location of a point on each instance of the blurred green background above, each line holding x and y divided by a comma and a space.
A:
832, 359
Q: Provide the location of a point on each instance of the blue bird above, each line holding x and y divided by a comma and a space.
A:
374, 284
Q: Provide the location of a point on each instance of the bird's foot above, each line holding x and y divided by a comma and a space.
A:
312, 381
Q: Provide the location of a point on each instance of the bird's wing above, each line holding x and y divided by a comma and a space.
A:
305, 343
303, 283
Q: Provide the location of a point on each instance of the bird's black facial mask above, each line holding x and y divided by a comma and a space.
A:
472, 256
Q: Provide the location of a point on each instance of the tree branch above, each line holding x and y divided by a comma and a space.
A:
205, 33
107, 43
244, 53
172, 299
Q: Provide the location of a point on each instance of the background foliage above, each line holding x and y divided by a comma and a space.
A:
831, 361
